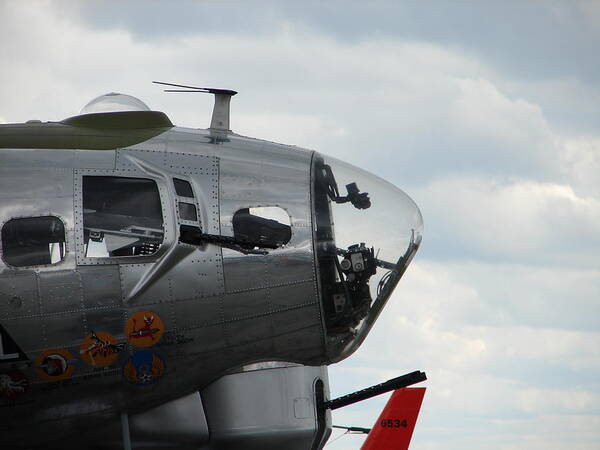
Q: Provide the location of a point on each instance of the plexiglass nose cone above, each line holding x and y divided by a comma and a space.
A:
366, 232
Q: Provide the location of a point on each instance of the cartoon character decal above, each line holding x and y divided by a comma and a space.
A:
144, 329
55, 364
13, 384
144, 368
100, 349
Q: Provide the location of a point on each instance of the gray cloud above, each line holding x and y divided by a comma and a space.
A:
527, 38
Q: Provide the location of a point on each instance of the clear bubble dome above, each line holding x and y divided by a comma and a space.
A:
114, 102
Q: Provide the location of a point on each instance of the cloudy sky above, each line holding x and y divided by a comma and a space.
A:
486, 113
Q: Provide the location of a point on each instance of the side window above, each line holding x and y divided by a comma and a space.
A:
183, 188
33, 241
187, 210
121, 216
268, 225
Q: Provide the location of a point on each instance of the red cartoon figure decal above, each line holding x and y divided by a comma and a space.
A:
144, 329
13, 384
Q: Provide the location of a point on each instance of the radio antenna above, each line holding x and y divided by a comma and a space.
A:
220, 115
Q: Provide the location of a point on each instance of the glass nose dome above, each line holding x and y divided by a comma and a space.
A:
114, 102
366, 233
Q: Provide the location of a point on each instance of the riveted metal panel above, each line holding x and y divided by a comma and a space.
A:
204, 341
19, 295
246, 304
293, 295
199, 312
255, 333
130, 274
191, 163
61, 291
271, 175
198, 274
57, 158
44, 183
263, 175
157, 144
306, 342
290, 267
101, 286
298, 323
279, 268
153, 156
297, 318
67, 330
204, 273
243, 273
109, 320
264, 182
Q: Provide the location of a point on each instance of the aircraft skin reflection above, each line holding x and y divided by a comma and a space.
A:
155, 251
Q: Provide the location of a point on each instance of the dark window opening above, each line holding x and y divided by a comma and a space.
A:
187, 211
33, 241
263, 226
121, 217
183, 188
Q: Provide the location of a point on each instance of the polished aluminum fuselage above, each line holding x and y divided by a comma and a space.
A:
221, 309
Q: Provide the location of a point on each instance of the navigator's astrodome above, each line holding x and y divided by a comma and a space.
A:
114, 102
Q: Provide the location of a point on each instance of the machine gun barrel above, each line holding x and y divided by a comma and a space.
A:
382, 388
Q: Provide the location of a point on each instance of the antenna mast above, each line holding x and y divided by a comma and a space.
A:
220, 115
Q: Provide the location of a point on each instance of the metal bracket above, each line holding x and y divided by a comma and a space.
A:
220, 115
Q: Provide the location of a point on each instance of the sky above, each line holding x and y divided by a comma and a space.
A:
486, 113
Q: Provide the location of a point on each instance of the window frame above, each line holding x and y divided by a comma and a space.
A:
178, 199
36, 266
167, 218
284, 246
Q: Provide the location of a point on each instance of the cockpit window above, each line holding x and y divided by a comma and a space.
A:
267, 226
183, 188
33, 241
187, 211
121, 217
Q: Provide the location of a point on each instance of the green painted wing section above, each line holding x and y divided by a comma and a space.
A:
102, 131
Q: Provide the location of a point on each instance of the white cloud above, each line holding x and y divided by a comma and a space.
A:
488, 368
580, 161
553, 401
517, 219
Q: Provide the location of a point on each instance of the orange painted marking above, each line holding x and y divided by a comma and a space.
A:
100, 349
144, 329
55, 364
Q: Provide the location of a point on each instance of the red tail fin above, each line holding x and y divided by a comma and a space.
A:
396, 423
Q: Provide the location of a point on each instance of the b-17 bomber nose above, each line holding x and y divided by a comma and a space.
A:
366, 233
